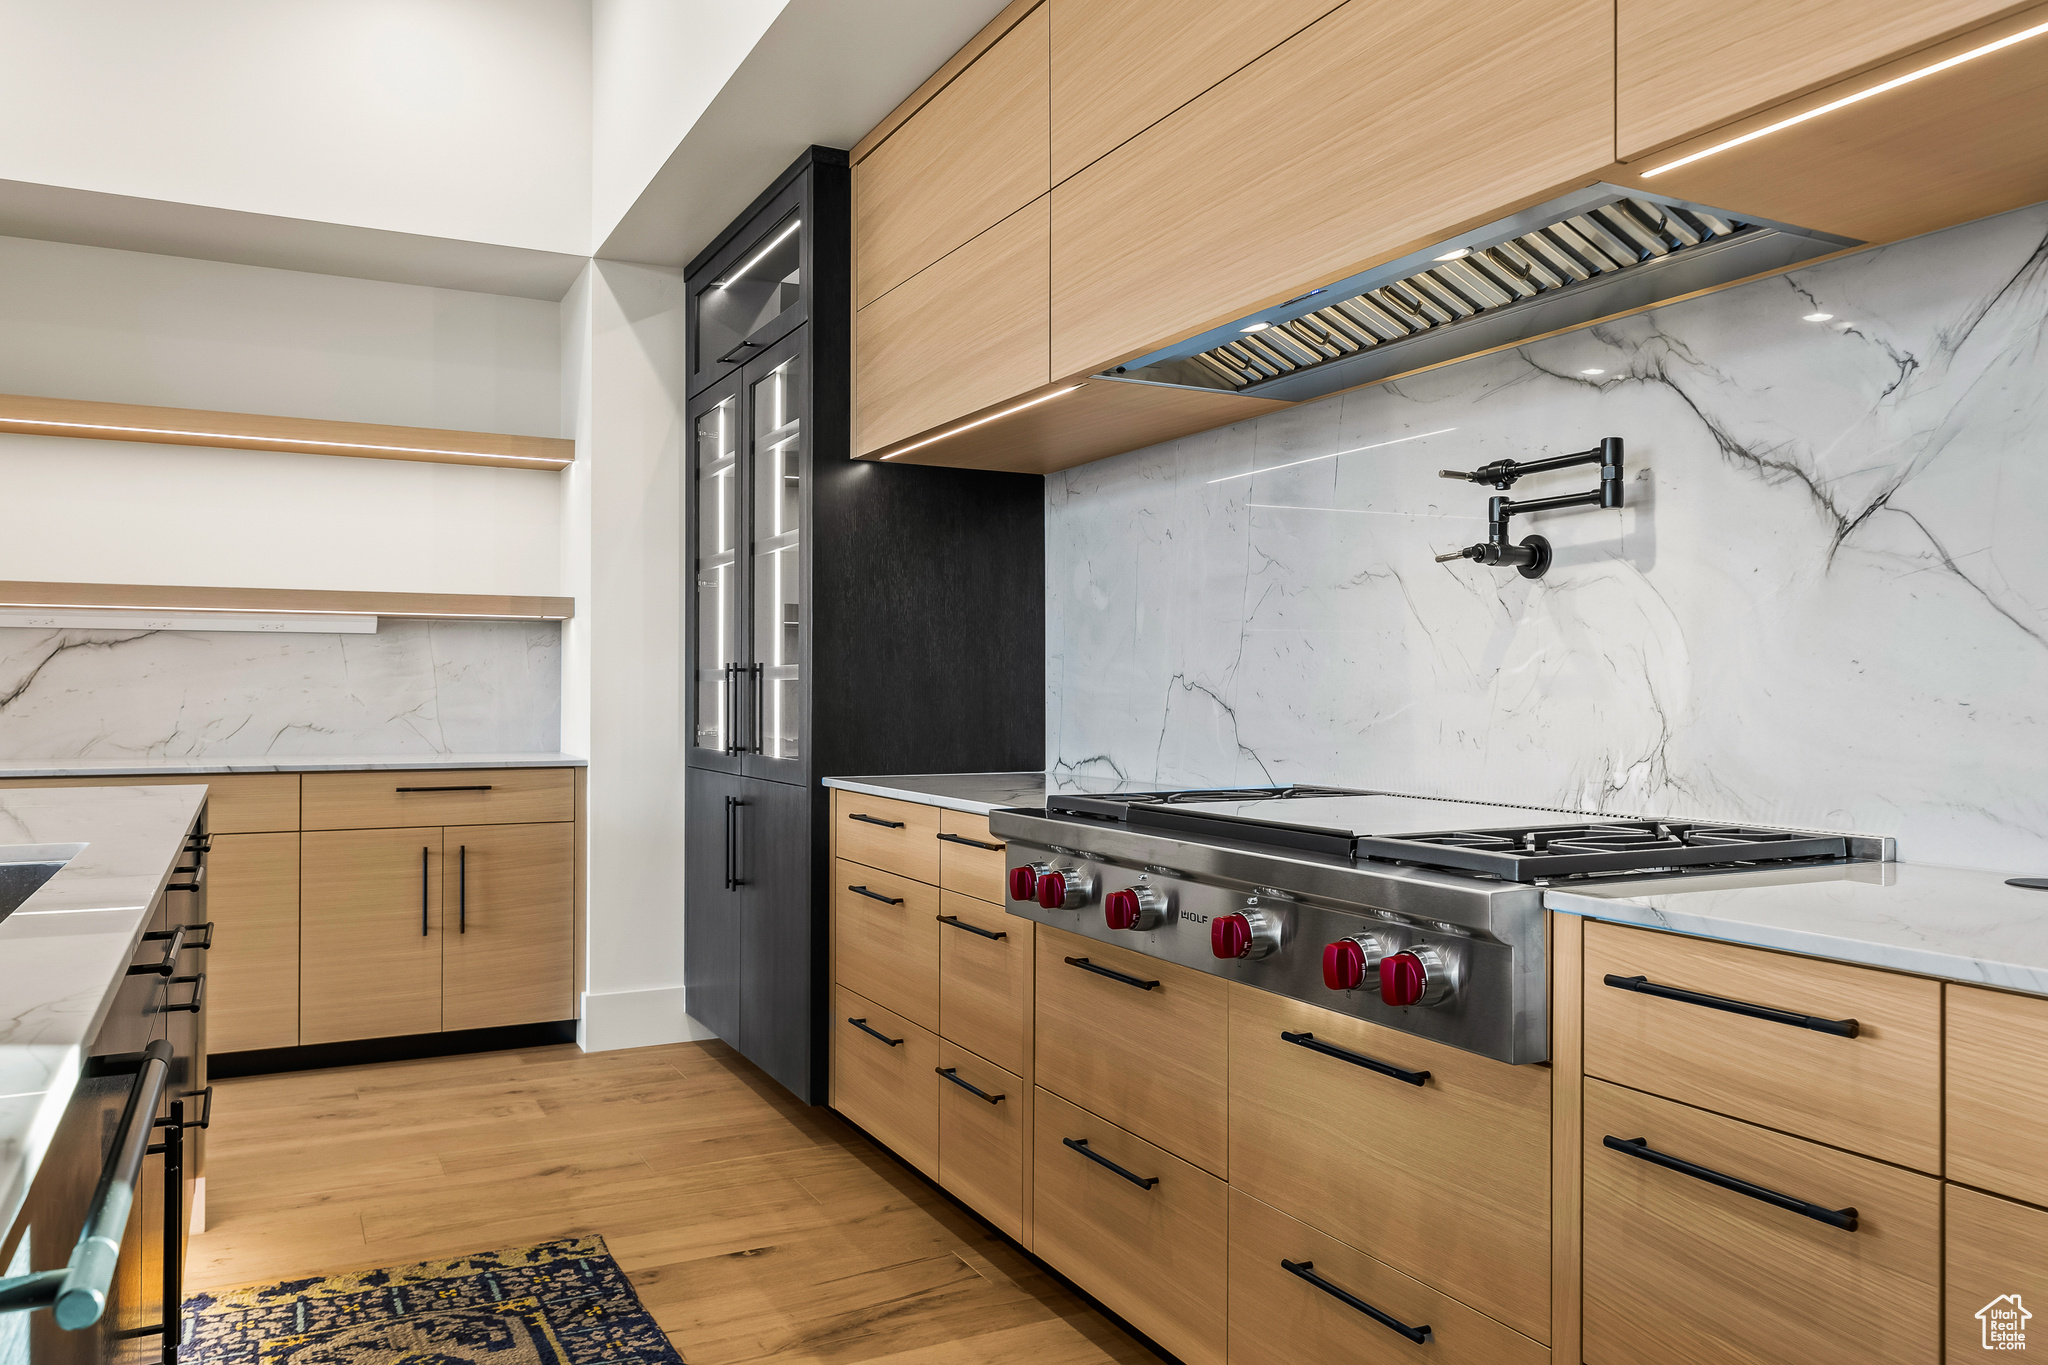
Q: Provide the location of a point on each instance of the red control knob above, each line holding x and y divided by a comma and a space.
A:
1344, 965
1121, 910
1023, 884
1402, 979
1230, 936
1052, 890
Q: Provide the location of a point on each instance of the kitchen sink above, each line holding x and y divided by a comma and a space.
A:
25, 867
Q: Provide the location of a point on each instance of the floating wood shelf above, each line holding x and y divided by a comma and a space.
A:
253, 431
282, 601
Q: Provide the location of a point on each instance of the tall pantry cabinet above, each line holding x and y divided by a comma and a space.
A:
844, 617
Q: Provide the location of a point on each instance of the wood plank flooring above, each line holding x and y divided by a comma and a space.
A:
755, 1228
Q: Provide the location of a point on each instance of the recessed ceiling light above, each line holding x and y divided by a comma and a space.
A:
1816, 317
1256, 327
1460, 254
1592, 372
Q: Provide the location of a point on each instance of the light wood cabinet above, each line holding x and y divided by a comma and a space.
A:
885, 936
1447, 1180
1142, 1042
387, 800
1280, 1316
971, 860
985, 977
1117, 69
966, 334
252, 970
885, 1077
1682, 70
1134, 1225
507, 948
1998, 1093
895, 836
1684, 1272
370, 933
970, 157
236, 803
985, 1137
1199, 219
1878, 1092
1997, 1271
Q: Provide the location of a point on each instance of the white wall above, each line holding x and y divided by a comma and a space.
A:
656, 65
85, 322
454, 118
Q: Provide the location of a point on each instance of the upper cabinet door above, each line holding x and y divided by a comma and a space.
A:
777, 572
718, 496
1119, 68
1375, 131
753, 294
972, 156
1682, 70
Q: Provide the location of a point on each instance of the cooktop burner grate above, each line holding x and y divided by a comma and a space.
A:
1637, 846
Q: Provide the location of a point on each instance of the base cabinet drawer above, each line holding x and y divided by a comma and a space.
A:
1298, 1297
895, 836
1310, 1096
970, 858
885, 939
984, 1137
1997, 1275
985, 962
1135, 1226
885, 1078
1998, 1094
1683, 1271
392, 800
1658, 1019
1144, 1043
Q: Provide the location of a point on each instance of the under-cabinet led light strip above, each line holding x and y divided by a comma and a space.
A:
755, 259
984, 421
1893, 84
281, 440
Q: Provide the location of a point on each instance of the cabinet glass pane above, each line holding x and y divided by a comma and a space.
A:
716, 459
765, 282
777, 577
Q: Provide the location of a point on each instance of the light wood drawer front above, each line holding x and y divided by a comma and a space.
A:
236, 803
1998, 1094
1997, 1253
1298, 1116
1682, 1272
983, 1142
399, 800
252, 970
1151, 1060
985, 983
895, 836
974, 153
971, 860
887, 952
1878, 1093
889, 1084
1156, 1255
1277, 1317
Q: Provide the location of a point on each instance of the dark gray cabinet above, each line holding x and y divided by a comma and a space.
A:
845, 616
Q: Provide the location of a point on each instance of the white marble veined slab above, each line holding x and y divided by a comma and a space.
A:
969, 793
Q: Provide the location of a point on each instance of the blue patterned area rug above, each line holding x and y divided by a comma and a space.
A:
559, 1303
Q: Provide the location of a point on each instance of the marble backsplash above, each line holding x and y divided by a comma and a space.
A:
1825, 603
413, 688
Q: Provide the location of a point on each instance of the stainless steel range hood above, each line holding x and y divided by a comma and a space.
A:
1592, 254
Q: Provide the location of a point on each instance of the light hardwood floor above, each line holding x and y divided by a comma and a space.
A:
753, 1227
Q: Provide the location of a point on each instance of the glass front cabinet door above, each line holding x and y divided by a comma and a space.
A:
716, 601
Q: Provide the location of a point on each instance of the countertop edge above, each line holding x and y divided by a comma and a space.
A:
18, 770
953, 803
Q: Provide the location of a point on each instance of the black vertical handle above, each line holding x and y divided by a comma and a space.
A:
760, 704
462, 888
728, 843
423, 892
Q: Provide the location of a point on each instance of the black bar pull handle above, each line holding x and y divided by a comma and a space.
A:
1640, 1148
198, 1000
169, 962
424, 855
959, 923
462, 888
1841, 1028
754, 725
1315, 1044
733, 880
875, 820
1306, 1270
952, 1074
728, 843
1143, 1182
484, 787
875, 895
198, 877
973, 843
191, 945
732, 720
862, 1025
1085, 965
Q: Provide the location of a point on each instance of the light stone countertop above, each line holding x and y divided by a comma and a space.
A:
17, 768
1957, 923
65, 951
969, 793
